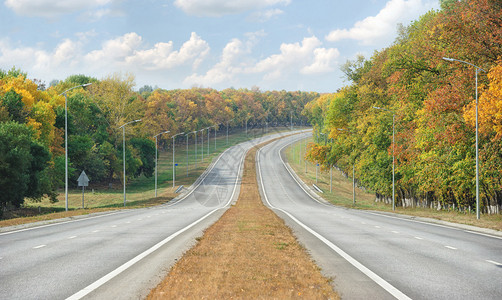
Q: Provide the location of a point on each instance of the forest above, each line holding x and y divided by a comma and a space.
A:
32, 127
433, 104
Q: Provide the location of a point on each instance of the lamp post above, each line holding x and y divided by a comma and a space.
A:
123, 154
227, 128
202, 143
353, 173
174, 167
477, 130
66, 141
291, 120
208, 128
393, 156
156, 168
215, 129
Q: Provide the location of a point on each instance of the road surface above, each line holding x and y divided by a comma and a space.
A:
375, 255
119, 255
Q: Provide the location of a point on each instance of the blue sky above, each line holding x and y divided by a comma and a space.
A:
271, 44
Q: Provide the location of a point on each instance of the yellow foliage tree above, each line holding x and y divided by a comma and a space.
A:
490, 106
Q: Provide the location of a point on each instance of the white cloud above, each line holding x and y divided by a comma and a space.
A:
54, 8
383, 25
125, 53
217, 8
162, 56
223, 71
324, 61
306, 58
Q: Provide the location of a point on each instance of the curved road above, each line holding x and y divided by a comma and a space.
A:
374, 255
117, 255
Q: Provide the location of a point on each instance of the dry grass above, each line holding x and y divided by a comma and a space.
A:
248, 254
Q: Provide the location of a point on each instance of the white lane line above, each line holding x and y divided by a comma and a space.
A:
363, 223
61, 223
494, 262
72, 237
85, 291
128, 222
450, 247
377, 279
483, 234
113, 226
40, 246
139, 220
418, 238
378, 227
95, 231
396, 232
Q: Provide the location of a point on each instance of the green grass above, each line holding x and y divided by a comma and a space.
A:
341, 193
141, 191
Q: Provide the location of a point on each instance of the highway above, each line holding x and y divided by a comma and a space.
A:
122, 254
375, 255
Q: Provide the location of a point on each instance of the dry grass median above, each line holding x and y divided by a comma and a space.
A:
249, 253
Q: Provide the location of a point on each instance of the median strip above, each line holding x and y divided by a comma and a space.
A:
248, 253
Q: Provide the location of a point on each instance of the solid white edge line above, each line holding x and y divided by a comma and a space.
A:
377, 279
61, 223
494, 262
90, 288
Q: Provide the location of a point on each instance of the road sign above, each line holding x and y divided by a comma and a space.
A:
83, 180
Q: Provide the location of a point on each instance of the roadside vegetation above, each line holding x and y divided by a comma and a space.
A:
249, 253
433, 104
32, 130
341, 193
140, 191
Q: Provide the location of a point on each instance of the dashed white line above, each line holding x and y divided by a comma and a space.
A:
418, 238
396, 232
113, 226
128, 222
494, 262
72, 237
450, 247
95, 231
378, 226
39, 246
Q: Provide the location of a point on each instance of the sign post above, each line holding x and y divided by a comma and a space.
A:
83, 181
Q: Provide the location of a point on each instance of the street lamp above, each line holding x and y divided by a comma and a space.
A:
208, 128
353, 173
156, 169
227, 128
174, 167
393, 156
188, 161
215, 129
477, 129
202, 143
123, 152
66, 141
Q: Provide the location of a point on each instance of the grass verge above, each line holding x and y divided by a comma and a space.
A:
249, 253
341, 193
140, 191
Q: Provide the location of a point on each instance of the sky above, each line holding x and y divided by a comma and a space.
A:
270, 44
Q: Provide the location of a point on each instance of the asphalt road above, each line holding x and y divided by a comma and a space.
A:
375, 255
117, 255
